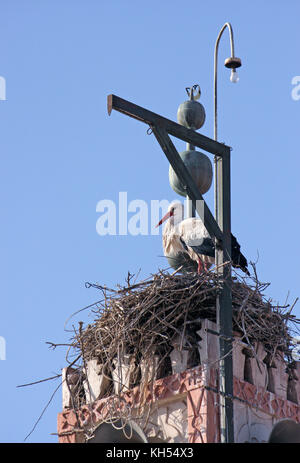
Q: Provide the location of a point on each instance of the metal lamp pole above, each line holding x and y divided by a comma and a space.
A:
232, 63
223, 218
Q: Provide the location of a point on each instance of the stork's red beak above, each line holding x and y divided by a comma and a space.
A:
165, 217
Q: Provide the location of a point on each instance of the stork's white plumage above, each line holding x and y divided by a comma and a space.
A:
187, 242
183, 239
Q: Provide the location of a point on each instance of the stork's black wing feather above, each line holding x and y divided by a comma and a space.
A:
238, 259
207, 248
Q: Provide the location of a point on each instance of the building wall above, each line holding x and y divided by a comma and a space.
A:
183, 407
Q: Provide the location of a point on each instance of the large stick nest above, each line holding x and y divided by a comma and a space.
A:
143, 319
148, 318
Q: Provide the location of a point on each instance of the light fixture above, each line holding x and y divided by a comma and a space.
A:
234, 76
233, 63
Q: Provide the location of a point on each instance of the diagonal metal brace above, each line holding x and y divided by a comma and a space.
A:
189, 184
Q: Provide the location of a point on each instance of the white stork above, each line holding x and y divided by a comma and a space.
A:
187, 242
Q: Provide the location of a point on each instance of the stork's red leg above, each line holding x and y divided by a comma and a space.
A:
200, 266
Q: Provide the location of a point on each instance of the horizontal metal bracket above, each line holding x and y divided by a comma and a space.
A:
177, 130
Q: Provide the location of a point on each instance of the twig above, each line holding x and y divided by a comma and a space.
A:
43, 411
40, 381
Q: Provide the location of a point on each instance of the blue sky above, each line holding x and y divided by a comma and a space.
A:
61, 154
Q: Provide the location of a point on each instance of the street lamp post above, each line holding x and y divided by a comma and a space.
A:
223, 218
232, 63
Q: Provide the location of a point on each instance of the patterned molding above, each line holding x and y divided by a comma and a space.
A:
260, 399
191, 385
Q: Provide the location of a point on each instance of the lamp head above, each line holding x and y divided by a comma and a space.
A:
233, 62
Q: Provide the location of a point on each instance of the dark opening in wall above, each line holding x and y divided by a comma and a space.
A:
270, 373
248, 374
271, 382
165, 368
291, 391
